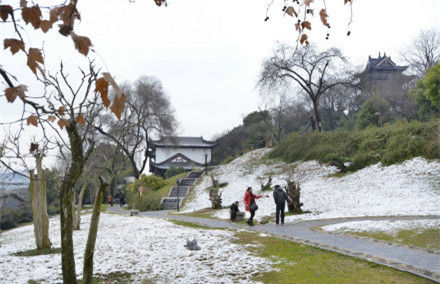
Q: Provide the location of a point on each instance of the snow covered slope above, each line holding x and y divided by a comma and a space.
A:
149, 248
410, 188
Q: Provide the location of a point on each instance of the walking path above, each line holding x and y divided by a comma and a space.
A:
425, 263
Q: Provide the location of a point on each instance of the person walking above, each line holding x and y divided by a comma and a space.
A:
280, 197
250, 204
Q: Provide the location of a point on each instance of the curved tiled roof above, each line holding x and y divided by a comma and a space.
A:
182, 141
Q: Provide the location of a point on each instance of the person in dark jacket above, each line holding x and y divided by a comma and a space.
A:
280, 197
234, 210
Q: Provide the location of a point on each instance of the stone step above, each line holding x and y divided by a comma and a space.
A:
187, 181
194, 175
182, 190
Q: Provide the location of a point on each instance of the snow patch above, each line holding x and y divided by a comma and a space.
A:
147, 247
386, 226
410, 188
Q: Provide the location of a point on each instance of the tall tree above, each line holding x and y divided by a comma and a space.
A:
314, 72
147, 113
423, 52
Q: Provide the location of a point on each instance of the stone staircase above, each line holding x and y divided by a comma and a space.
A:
178, 193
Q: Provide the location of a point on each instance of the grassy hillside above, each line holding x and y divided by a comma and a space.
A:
390, 144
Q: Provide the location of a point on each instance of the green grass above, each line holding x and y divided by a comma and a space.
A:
191, 225
202, 213
390, 144
35, 252
299, 263
424, 238
151, 199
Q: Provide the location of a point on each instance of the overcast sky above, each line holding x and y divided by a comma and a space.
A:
208, 53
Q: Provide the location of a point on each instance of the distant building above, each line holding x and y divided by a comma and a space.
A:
381, 68
179, 152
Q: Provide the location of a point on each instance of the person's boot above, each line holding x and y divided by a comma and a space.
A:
249, 222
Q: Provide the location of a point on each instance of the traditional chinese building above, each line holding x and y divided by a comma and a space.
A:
179, 152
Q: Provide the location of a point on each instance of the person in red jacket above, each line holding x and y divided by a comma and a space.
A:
250, 205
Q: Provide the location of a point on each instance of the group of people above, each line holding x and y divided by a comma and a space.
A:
279, 196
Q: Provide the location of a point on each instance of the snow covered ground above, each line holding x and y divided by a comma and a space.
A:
410, 188
147, 247
385, 226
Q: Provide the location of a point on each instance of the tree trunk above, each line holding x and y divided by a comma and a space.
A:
40, 217
66, 195
134, 167
79, 206
317, 116
93, 230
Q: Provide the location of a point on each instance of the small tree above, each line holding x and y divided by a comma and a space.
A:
214, 195
293, 191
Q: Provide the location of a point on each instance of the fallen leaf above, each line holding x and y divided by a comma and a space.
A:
33, 119
12, 93
308, 2
5, 10
82, 43
45, 25
63, 123
61, 110
34, 57
291, 11
80, 119
14, 44
118, 106
101, 86
31, 15
323, 15
303, 38
34, 147
306, 25
52, 118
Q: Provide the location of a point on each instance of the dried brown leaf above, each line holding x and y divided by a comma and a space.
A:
52, 118
45, 25
306, 25
291, 11
14, 44
65, 30
5, 10
12, 93
34, 57
80, 119
297, 27
303, 38
23, 3
63, 123
323, 15
33, 119
118, 106
308, 2
32, 15
346, 1
101, 86
61, 110
112, 82
82, 43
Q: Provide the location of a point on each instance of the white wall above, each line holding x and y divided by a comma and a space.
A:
197, 155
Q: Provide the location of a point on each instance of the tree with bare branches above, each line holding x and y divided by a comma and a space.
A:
314, 72
423, 52
147, 113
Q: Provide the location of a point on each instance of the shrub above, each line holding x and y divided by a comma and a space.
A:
150, 198
390, 144
8, 222
173, 172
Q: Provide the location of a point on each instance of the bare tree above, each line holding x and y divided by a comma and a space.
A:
423, 52
147, 113
314, 72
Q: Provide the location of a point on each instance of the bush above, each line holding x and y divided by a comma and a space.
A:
390, 144
150, 198
173, 172
8, 222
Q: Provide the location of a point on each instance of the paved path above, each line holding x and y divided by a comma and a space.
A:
418, 261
